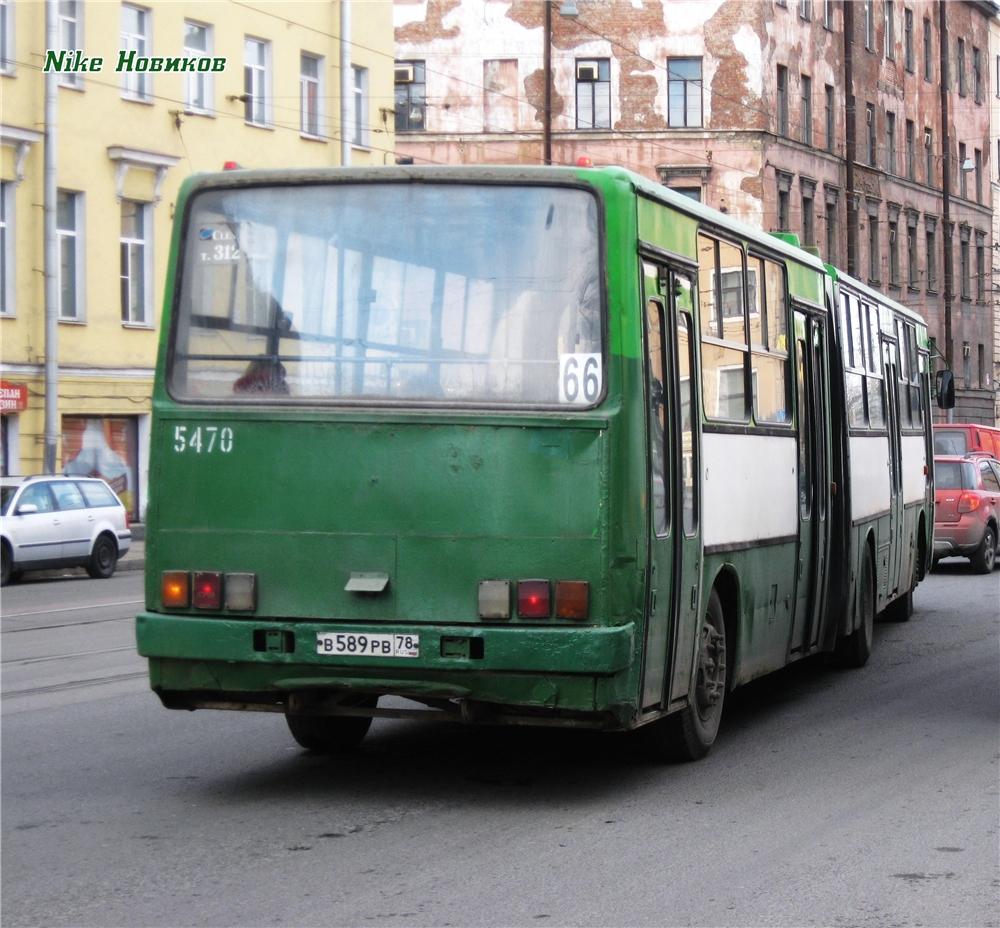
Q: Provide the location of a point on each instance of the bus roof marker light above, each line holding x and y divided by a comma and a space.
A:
231, 166
494, 599
534, 599
572, 599
241, 592
207, 593
175, 589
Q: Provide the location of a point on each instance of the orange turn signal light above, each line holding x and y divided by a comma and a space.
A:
572, 599
175, 589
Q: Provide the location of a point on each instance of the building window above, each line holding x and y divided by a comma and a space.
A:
977, 75
807, 109
827, 14
70, 32
965, 265
830, 116
310, 97
873, 246
197, 84
890, 143
998, 78
593, 93
908, 40
869, 25
782, 100
68, 233
981, 266
7, 248
930, 258
136, 85
257, 82
7, 37
960, 66
832, 252
894, 252
805, 9
928, 52
911, 163
929, 157
808, 219
963, 183
912, 258
135, 261
359, 86
979, 174
784, 193
684, 91
982, 380
890, 29
870, 121
411, 96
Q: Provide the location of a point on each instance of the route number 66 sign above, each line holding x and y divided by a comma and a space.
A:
580, 379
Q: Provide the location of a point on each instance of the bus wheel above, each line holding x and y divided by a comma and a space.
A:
331, 734
688, 734
854, 650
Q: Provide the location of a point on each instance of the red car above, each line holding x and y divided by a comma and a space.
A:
967, 509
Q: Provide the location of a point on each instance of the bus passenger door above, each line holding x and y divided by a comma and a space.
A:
890, 367
814, 483
675, 558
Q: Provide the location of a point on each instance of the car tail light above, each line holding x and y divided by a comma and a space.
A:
494, 599
207, 590
968, 502
533, 599
572, 599
241, 592
175, 589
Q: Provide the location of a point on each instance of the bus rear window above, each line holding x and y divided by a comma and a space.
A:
391, 293
948, 475
950, 441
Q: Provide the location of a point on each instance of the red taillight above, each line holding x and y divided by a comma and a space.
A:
572, 599
533, 599
208, 591
968, 502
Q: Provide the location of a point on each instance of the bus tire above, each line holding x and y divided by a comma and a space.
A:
689, 734
331, 734
854, 650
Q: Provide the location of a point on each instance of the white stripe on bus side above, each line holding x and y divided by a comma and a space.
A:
750, 488
869, 476
914, 462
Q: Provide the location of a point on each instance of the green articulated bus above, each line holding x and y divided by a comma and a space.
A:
545, 446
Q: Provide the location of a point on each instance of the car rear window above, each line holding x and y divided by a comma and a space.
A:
948, 475
97, 494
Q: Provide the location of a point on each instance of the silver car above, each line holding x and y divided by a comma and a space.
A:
52, 521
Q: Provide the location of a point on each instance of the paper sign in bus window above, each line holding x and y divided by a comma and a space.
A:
581, 379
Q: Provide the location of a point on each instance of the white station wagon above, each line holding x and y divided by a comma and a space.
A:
52, 521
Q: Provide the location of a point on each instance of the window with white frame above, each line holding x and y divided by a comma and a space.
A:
257, 82
197, 84
135, 30
593, 93
70, 30
6, 37
310, 74
69, 220
359, 86
6, 248
684, 92
135, 263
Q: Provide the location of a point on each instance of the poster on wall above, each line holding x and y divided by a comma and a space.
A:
105, 448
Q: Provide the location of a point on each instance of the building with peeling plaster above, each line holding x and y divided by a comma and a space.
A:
746, 107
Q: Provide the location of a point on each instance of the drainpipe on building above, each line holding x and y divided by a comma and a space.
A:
547, 68
851, 140
346, 84
949, 344
51, 251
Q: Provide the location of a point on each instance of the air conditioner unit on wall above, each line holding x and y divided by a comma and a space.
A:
586, 71
404, 74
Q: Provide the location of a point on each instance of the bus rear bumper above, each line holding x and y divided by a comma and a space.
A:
220, 660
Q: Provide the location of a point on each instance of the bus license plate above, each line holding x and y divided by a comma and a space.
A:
365, 644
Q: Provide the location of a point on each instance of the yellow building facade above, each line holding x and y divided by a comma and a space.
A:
266, 89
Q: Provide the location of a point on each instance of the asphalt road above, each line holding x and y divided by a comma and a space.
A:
833, 797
